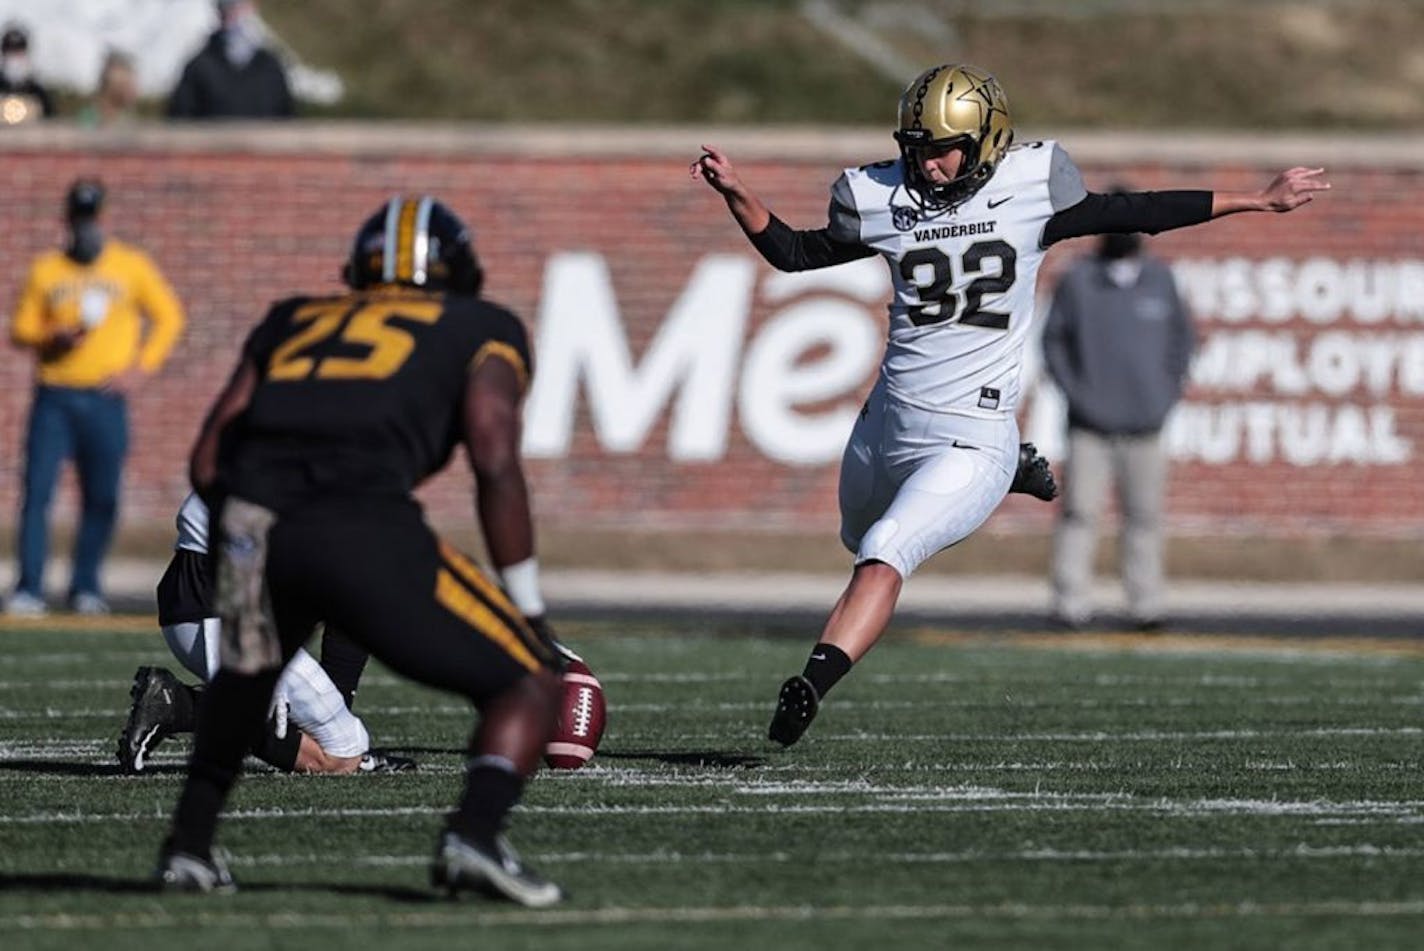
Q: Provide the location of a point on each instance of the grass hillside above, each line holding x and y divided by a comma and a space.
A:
1118, 63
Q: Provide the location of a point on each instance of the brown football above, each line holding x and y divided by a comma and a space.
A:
583, 713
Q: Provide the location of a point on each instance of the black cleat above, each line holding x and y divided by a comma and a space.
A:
1033, 476
796, 707
379, 761
183, 872
463, 865
153, 717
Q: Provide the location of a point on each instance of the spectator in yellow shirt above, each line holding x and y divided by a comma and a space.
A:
83, 311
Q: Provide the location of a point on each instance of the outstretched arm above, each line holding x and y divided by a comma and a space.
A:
783, 247
1286, 192
1153, 212
717, 170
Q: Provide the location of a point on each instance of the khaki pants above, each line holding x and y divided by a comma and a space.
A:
1137, 466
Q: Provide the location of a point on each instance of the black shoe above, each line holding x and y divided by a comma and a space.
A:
796, 707
1033, 476
379, 761
497, 871
153, 717
183, 872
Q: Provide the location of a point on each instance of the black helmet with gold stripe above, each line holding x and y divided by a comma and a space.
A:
954, 107
415, 241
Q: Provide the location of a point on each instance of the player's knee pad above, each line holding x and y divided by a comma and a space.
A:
316, 706
195, 645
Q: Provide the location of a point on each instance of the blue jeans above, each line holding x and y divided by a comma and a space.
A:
92, 428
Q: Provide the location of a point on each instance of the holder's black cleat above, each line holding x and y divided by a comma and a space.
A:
1033, 476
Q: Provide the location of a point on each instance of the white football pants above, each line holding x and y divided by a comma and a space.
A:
314, 704
915, 482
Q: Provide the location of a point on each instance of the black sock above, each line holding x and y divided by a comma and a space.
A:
280, 752
490, 792
343, 660
185, 708
826, 665
229, 717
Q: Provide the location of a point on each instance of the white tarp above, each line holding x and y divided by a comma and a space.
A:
69, 39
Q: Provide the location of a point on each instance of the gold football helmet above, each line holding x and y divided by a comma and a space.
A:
954, 107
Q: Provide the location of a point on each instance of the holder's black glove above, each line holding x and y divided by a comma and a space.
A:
541, 626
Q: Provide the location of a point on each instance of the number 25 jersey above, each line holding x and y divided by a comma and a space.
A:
963, 277
361, 393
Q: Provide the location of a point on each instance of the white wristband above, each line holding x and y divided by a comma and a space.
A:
522, 583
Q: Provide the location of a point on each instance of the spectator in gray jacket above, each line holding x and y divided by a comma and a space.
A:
1117, 342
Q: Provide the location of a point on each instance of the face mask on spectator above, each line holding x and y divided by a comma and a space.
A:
242, 38
16, 68
1116, 246
86, 241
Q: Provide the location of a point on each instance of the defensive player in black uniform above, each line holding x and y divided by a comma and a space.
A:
337, 409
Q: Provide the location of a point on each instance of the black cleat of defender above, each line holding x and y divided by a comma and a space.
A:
796, 707
463, 865
1033, 476
182, 872
380, 761
152, 717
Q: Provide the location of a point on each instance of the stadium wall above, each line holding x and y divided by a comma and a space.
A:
683, 385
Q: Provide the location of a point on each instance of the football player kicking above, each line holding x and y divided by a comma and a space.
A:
963, 218
338, 407
328, 738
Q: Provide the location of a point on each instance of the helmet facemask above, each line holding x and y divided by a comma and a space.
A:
948, 108
971, 175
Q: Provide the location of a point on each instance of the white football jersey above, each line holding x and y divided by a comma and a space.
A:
193, 525
963, 277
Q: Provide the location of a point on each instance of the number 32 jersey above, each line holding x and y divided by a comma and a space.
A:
361, 393
963, 277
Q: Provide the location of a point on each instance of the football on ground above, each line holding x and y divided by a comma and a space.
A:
583, 713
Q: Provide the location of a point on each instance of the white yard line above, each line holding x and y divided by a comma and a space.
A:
757, 706
1182, 853
1086, 736
101, 755
1090, 736
82, 658
622, 915
934, 800
47, 684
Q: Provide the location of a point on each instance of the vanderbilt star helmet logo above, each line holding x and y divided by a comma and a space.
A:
904, 218
980, 94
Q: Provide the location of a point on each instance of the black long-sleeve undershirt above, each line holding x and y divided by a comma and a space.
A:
1128, 212
788, 249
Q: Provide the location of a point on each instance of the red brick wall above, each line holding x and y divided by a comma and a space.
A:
238, 220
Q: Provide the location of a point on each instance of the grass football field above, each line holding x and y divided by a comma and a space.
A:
957, 791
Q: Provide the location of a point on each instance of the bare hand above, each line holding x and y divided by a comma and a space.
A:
716, 170
61, 342
1293, 187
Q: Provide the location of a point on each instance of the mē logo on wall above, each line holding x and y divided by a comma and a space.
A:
1302, 363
